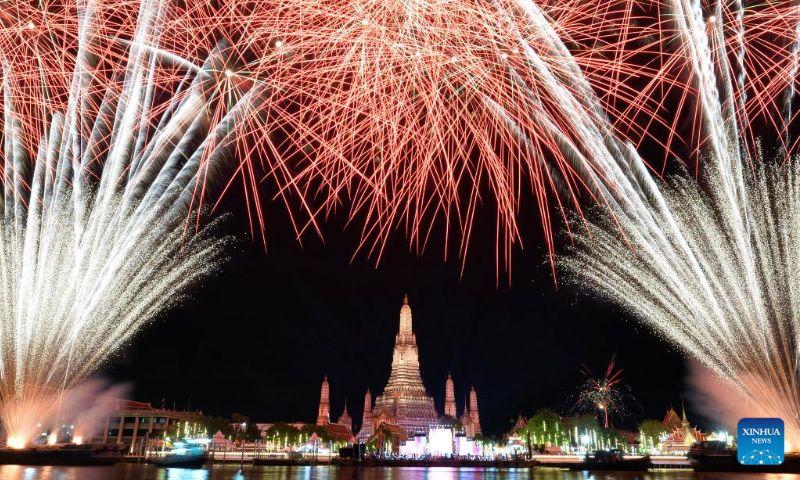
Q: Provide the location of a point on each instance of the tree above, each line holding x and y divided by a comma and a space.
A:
545, 428
283, 434
311, 429
217, 424
583, 430
451, 421
610, 437
651, 432
583, 422
243, 429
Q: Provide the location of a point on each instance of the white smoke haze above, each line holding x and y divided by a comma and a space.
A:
88, 405
712, 398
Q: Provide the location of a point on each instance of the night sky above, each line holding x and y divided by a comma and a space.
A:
259, 337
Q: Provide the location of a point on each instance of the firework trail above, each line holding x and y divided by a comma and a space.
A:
100, 169
120, 117
406, 115
712, 264
605, 396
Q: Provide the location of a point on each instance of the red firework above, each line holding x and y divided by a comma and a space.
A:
411, 114
406, 114
604, 396
751, 49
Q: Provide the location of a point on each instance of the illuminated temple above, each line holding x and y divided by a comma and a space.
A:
405, 413
404, 401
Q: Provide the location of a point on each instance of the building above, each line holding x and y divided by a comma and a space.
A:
342, 430
470, 418
473, 412
405, 401
340, 433
344, 418
680, 434
324, 414
131, 423
404, 406
466, 421
450, 398
366, 420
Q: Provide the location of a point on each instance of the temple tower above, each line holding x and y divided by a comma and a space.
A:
324, 415
450, 398
404, 401
366, 420
466, 421
473, 411
345, 419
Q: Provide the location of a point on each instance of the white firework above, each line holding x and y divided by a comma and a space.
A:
96, 232
712, 266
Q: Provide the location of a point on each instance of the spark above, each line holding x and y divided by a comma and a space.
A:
99, 174
712, 266
605, 396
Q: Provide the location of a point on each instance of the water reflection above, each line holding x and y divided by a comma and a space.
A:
235, 472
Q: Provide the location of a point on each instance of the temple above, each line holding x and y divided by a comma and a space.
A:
324, 415
466, 421
404, 415
343, 428
681, 435
450, 398
473, 412
344, 418
366, 420
404, 401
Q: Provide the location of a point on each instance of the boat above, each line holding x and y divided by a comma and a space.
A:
611, 460
186, 454
62, 455
716, 456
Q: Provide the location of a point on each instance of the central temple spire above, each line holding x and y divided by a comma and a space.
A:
405, 320
404, 401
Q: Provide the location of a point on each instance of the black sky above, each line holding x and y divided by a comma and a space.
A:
258, 337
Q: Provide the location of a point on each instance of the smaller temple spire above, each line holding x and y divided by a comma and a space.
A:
683, 408
366, 420
345, 419
324, 414
473, 411
450, 397
405, 299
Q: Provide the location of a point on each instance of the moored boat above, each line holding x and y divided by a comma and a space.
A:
611, 460
187, 454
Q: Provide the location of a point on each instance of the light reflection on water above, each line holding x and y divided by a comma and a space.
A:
231, 472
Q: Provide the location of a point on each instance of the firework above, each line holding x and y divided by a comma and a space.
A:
711, 265
605, 396
121, 117
698, 68
407, 116
411, 112
100, 167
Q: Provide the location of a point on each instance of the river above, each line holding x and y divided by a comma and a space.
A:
233, 472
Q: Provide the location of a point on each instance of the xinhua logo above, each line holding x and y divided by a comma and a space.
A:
760, 441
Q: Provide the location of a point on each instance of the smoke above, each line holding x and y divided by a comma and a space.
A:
718, 401
88, 406
714, 399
